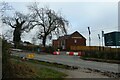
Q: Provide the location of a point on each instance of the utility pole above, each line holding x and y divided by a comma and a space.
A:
99, 38
102, 37
89, 36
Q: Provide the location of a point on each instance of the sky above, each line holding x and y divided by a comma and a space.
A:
96, 15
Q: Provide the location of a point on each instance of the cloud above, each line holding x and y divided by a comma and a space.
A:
97, 15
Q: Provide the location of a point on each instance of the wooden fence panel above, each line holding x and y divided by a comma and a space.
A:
94, 48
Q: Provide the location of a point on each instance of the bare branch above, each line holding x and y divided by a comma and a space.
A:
48, 21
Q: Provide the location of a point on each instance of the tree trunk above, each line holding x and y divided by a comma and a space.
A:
44, 41
16, 37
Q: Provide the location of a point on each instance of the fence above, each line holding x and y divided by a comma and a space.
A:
98, 52
94, 48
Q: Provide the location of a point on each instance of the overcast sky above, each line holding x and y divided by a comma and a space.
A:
97, 15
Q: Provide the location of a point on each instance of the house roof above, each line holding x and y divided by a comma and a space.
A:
67, 36
78, 34
64, 37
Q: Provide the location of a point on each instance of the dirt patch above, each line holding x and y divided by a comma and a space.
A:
83, 73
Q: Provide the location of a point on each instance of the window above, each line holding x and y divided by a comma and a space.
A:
75, 41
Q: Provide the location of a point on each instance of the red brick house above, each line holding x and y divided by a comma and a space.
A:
66, 41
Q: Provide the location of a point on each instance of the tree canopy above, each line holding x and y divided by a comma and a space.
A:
48, 22
20, 24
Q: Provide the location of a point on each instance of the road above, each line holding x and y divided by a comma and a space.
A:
76, 61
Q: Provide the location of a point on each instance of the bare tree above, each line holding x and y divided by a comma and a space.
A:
34, 40
4, 6
7, 35
19, 22
49, 22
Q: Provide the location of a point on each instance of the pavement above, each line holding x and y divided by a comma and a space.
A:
76, 61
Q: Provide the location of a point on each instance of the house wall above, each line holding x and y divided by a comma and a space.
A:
55, 43
71, 42
74, 39
62, 43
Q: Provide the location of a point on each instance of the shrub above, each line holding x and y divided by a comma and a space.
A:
29, 47
49, 49
5, 51
102, 55
5, 57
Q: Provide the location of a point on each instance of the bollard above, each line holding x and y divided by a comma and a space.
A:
56, 53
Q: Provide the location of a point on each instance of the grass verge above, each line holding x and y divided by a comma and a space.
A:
21, 69
101, 60
48, 63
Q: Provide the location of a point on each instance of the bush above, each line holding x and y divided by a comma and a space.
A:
49, 49
5, 51
5, 58
32, 48
102, 55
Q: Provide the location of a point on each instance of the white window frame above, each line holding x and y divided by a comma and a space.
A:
75, 41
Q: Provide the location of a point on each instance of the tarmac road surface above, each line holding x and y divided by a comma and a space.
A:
76, 61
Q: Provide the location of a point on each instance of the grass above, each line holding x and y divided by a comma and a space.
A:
46, 63
33, 70
49, 73
17, 69
50, 64
100, 60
